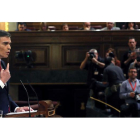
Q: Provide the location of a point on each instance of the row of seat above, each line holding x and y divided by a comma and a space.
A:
75, 27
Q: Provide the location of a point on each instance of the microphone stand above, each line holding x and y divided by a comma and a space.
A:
34, 92
28, 98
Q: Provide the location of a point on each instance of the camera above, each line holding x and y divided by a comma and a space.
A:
137, 96
25, 56
111, 54
92, 55
138, 59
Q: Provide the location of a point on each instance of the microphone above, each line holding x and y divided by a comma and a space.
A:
28, 98
34, 92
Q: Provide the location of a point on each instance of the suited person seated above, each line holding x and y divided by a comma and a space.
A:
6, 102
87, 26
22, 27
110, 26
130, 26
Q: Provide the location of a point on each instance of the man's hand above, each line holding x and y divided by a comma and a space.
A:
23, 109
132, 94
87, 55
84, 61
135, 61
5, 74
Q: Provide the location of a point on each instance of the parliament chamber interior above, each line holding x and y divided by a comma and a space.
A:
52, 58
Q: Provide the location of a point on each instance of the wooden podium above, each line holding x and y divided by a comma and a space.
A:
46, 109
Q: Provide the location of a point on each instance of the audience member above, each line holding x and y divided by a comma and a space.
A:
130, 92
43, 26
65, 27
87, 26
110, 26
129, 56
25, 28
130, 25
111, 50
22, 27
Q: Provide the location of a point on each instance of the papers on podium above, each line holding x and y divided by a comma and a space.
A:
14, 113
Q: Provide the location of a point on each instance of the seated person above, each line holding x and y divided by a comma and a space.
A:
87, 26
130, 25
110, 26
43, 26
22, 27
65, 27
130, 91
111, 50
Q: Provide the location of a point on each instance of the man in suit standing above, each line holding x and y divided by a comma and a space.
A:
6, 102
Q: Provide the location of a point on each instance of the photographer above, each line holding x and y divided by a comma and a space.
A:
94, 64
111, 50
130, 91
136, 64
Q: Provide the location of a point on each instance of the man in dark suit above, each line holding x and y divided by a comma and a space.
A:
6, 102
22, 27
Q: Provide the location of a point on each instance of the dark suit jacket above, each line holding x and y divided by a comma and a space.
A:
5, 99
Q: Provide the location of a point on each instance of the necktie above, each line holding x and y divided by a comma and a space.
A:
8, 109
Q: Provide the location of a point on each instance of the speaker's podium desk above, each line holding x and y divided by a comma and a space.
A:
45, 109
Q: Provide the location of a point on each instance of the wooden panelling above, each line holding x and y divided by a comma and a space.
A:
73, 55
40, 55
120, 51
57, 55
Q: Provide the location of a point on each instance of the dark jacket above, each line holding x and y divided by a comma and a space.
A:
5, 99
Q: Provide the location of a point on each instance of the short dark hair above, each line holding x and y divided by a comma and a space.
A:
22, 23
131, 38
65, 24
132, 68
4, 34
